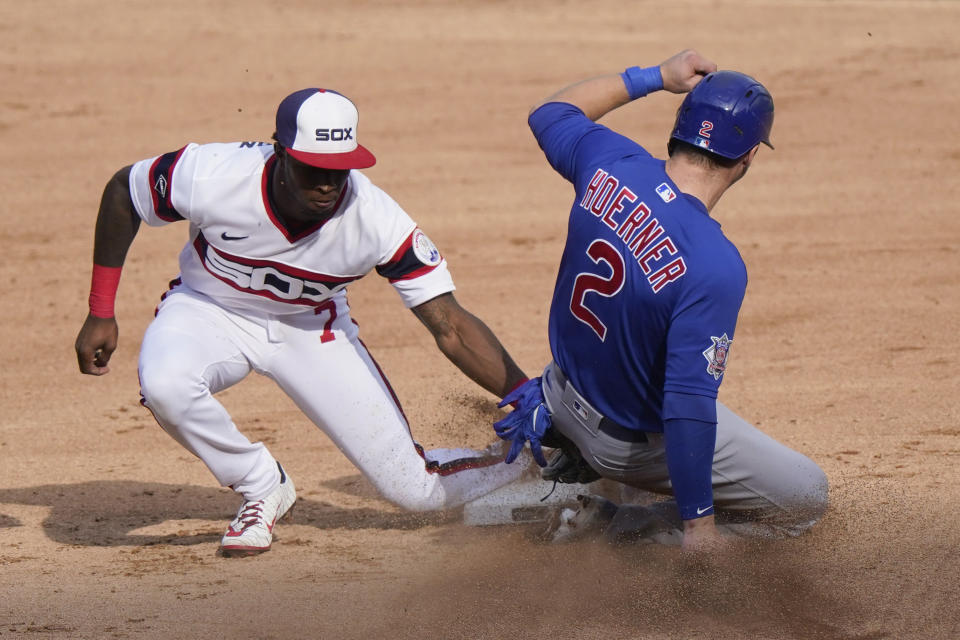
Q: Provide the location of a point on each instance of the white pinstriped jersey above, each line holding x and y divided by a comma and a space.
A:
240, 254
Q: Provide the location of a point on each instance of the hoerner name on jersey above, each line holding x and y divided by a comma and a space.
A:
640, 232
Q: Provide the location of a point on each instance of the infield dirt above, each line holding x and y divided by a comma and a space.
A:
846, 349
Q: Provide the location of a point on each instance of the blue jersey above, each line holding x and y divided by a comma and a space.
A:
648, 289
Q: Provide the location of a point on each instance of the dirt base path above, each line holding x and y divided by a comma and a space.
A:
846, 347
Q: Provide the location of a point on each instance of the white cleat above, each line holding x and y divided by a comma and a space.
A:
251, 532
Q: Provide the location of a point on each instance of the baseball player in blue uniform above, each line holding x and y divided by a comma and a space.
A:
276, 232
645, 308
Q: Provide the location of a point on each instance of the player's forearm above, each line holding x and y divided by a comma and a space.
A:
469, 344
689, 448
600, 95
479, 355
117, 222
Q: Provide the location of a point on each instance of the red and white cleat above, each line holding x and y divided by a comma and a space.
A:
251, 532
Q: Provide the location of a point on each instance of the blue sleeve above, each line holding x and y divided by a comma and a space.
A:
689, 448
573, 143
698, 345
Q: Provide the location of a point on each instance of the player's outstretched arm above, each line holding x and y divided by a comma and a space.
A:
600, 95
117, 225
469, 344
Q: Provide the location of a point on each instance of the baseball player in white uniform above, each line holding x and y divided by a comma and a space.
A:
276, 233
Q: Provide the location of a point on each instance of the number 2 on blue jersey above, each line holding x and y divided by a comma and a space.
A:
599, 251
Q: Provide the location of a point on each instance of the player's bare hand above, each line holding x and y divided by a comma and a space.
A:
702, 535
683, 72
95, 344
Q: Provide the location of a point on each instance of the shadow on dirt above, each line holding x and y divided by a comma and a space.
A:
105, 513
7, 521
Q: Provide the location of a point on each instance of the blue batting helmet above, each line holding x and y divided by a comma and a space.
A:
727, 113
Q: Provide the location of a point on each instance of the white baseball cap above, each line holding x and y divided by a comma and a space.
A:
318, 127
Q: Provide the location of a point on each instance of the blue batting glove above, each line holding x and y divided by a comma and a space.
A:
528, 421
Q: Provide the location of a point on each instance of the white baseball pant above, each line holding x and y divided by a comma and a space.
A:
195, 348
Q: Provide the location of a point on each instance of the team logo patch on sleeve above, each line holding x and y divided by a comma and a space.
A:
160, 186
717, 355
425, 249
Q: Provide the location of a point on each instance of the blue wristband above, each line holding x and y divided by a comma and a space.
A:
640, 82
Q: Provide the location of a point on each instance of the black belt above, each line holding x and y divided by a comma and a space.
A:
614, 430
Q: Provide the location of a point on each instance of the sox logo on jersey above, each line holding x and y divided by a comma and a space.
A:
273, 280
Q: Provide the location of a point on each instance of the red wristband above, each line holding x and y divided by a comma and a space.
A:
103, 290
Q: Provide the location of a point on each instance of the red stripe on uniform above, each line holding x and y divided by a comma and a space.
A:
402, 258
458, 465
406, 246
416, 274
163, 206
176, 282
383, 377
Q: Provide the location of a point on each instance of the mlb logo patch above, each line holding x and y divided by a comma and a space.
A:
579, 409
702, 142
665, 192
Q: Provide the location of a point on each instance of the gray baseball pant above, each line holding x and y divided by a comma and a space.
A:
760, 486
